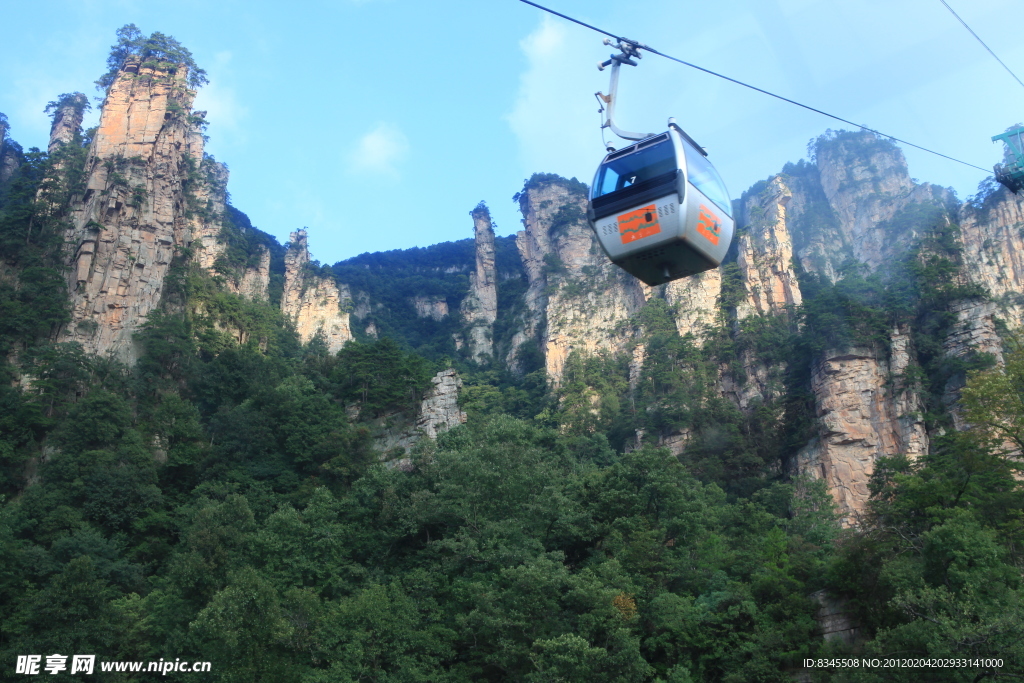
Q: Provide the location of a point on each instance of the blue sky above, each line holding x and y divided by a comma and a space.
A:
379, 124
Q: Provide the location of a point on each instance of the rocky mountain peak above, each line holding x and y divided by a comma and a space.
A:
313, 301
867, 185
68, 112
577, 300
149, 190
480, 307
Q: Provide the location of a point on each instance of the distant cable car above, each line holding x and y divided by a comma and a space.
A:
1011, 174
658, 207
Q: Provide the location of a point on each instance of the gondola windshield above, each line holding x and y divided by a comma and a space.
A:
634, 168
705, 178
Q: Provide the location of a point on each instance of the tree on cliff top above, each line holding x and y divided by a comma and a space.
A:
160, 47
75, 100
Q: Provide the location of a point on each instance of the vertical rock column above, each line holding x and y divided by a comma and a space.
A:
313, 303
765, 262
974, 331
480, 307
867, 183
865, 412
993, 243
67, 121
765, 254
577, 300
255, 282
8, 158
251, 283
695, 301
206, 245
148, 191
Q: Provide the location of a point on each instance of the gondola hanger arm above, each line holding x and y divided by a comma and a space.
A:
628, 51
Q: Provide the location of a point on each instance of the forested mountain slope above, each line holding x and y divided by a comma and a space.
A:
502, 458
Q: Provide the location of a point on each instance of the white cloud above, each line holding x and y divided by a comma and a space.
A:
224, 111
380, 151
555, 114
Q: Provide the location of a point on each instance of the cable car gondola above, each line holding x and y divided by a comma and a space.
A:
1011, 174
658, 207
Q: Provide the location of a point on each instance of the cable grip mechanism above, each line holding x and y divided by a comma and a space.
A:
628, 52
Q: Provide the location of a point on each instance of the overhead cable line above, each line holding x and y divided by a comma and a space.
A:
979, 40
752, 87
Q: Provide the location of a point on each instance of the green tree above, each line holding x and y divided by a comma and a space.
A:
243, 630
159, 47
993, 399
383, 634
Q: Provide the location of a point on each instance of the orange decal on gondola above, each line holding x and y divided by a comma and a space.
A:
639, 224
708, 225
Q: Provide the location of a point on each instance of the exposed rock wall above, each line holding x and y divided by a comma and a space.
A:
974, 331
312, 302
765, 254
695, 302
836, 619
848, 206
8, 157
865, 411
67, 121
576, 299
438, 412
867, 183
206, 242
764, 260
993, 240
760, 383
843, 208
480, 307
149, 190
433, 307
254, 283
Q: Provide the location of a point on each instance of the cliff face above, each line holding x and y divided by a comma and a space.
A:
151, 194
438, 412
867, 184
576, 298
480, 307
765, 254
974, 331
149, 190
695, 302
993, 243
208, 245
433, 307
312, 302
865, 411
834, 211
768, 286
846, 207
254, 283
67, 121
8, 158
